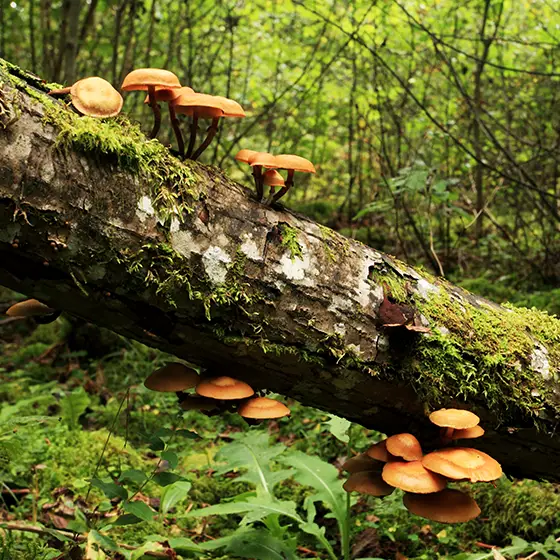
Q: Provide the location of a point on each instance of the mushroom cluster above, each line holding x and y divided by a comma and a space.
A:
213, 395
95, 97
163, 85
399, 462
270, 177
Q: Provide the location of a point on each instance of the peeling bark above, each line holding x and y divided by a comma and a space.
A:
260, 293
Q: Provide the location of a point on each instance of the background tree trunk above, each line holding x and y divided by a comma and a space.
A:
113, 229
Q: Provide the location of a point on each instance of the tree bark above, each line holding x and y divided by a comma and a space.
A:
201, 270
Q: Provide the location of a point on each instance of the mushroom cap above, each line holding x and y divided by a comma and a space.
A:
273, 179
446, 506
468, 433
96, 97
263, 158
360, 463
454, 418
366, 482
244, 155
193, 402
231, 108
413, 477
261, 408
379, 451
405, 446
202, 105
142, 78
29, 308
172, 377
169, 94
463, 463
224, 388
297, 163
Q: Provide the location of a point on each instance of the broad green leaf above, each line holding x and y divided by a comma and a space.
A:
171, 458
251, 451
261, 545
182, 543
140, 510
126, 519
133, 475
338, 427
110, 489
323, 478
146, 547
166, 478
173, 494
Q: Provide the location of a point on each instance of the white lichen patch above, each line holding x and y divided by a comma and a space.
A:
184, 243
297, 269
249, 248
425, 288
215, 261
145, 208
368, 294
175, 225
539, 361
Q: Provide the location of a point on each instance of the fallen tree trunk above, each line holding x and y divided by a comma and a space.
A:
99, 222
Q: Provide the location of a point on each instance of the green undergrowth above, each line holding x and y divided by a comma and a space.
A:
57, 454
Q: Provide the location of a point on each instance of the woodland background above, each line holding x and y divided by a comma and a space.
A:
435, 130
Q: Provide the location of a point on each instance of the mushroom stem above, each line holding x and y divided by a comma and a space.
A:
209, 136
177, 130
192, 140
257, 175
155, 108
447, 435
275, 197
61, 91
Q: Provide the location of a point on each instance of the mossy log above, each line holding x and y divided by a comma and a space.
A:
100, 222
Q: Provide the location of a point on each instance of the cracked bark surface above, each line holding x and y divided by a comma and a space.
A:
219, 287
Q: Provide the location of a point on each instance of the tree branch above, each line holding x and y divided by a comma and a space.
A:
113, 229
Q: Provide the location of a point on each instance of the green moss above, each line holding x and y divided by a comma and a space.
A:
484, 353
329, 237
289, 240
393, 284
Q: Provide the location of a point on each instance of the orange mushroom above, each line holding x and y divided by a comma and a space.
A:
463, 463
453, 418
169, 95
262, 408
292, 164
230, 109
405, 446
171, 378
273, 179
224, 388
370, 483
197, 106
360, 463
29, 308
148, 79
379, 452
413, 477
446, 506
94, 97
468, 433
